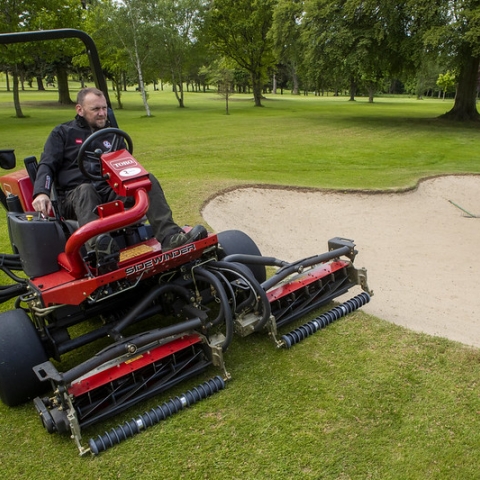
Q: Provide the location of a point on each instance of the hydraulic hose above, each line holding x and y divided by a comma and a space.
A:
143, 304
11, 261
209, 277
247, 275
11, 291
300, 264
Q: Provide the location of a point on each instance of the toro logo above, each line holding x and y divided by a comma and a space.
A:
159, 259
123, 164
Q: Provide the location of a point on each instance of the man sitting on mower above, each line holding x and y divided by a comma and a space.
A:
79, 196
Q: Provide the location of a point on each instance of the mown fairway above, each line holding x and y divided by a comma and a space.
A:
361, 399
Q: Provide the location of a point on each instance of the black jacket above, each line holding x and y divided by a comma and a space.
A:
58, 161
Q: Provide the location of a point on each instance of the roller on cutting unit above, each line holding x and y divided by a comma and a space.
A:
153, 319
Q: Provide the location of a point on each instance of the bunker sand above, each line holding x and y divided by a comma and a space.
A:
420, 247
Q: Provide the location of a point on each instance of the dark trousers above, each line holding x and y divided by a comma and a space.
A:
80, 204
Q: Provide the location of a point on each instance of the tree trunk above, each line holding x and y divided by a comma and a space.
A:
353, 90
179, 94
465, 106
257, 90
116, 81
40, 86
178, 90
296, 89
16, 96
141, 84
62, 81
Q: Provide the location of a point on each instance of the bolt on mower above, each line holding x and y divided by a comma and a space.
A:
161, 317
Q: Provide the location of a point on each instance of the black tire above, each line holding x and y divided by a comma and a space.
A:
234, 242
20, 350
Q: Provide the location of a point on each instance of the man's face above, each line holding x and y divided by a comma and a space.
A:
94, 110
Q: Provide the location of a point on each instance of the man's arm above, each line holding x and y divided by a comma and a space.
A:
45, 173
41, 190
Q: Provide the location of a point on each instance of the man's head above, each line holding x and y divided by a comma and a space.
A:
92, 106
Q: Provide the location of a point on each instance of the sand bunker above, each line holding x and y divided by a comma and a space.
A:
420, 249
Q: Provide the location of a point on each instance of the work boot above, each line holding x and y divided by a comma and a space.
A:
107, 253
178, 239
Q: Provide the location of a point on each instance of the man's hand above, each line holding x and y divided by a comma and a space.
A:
42, 204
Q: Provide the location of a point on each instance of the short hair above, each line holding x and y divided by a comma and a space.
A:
85, 91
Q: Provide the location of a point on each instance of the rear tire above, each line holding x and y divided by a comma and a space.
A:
237, 242
20, 350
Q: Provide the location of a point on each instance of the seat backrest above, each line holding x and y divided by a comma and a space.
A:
19, 183
31, 165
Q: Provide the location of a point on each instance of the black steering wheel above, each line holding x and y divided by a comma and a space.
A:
86, 152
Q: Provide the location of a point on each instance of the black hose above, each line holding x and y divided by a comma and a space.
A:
249, 277
300, 264
209, 277
11, 260
220, 318
231, 292
155, 415
142, 305
255, 260
12, 291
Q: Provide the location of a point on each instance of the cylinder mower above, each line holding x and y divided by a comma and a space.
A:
153, 318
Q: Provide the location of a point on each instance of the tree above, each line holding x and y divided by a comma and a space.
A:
127, 30
40, 15
239, 31
177, 25
446, 81
285, 34
356, 41
12, 14
221, 74
53, 14
115, 59
451, 29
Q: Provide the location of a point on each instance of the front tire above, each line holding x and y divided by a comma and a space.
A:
20, 350
237, 242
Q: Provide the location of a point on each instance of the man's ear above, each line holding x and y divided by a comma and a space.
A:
78, 108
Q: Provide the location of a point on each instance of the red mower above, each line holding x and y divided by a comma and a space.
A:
160, 317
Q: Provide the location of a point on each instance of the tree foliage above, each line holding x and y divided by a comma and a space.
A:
356, 45
177, 29
239, 31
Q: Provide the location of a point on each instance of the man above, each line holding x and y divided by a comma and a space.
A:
78, 196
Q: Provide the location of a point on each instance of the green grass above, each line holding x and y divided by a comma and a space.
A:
309, 141
363, 399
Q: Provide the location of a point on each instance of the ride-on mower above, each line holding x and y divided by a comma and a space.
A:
160, 317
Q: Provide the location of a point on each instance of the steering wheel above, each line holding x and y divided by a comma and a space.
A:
86, 152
